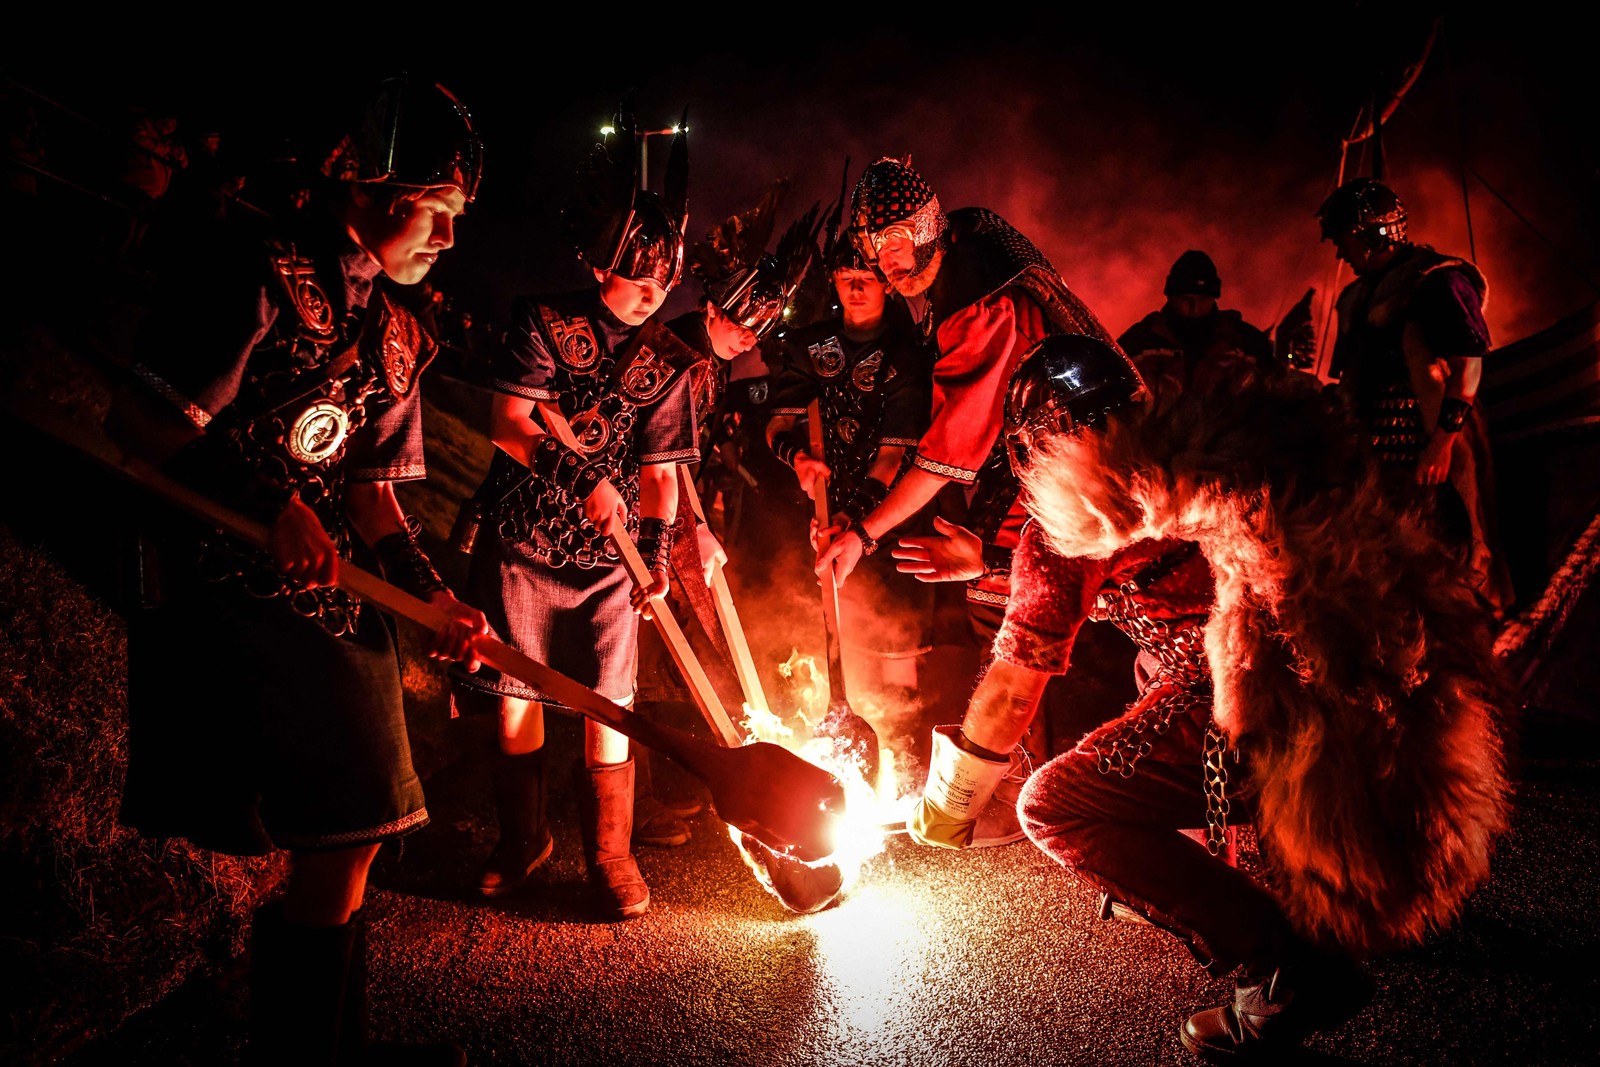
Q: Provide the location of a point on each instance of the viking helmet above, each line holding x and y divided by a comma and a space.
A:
1066, 383
753, 298
414, 134
618, 227
1367, 208
888, 193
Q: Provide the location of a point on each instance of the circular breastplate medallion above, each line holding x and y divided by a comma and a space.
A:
592, 430
318, 432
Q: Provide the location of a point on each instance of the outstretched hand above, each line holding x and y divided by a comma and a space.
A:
953, 554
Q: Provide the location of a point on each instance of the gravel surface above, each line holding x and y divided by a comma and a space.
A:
934, 958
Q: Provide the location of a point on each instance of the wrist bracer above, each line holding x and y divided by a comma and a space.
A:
786, 445
556, 464
406, 566
1453, 414
655, 543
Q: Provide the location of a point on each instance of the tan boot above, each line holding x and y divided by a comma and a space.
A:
525, 841
605, 801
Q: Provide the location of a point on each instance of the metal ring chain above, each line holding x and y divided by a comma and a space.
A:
1218, 805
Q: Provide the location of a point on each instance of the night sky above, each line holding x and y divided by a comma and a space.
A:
1115, 146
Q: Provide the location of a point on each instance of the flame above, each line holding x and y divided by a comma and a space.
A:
870, 807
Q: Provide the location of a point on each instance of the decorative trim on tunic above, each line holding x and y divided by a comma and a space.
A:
405, 472
958, 474
191, 411
527, 392
682, 455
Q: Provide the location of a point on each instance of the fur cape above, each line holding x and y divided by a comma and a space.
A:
1349, 660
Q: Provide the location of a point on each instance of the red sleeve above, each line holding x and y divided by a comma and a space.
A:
979, 347
1051, 597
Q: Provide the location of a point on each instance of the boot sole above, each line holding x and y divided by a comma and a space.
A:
506, 888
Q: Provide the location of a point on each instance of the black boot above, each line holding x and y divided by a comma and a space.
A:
298, 977
605, 801
354, 1046
308, 1000
525, 841
1275, 1008
654, 822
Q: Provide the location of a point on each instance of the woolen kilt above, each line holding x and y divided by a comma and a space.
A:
251, 727
576, 620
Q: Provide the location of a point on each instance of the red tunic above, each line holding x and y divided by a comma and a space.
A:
979, 348
1053, 595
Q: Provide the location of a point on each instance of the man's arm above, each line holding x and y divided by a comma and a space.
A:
658, 503
377, 516
1002, 708
1449, 324
909, 495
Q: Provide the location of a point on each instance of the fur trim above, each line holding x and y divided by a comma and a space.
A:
1349, 658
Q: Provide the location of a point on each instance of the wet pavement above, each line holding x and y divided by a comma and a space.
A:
992, 957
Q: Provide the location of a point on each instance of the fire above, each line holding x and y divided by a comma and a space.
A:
870, 807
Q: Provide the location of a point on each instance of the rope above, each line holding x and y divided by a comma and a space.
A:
1547, 617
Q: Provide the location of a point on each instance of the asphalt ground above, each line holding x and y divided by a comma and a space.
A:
991, 957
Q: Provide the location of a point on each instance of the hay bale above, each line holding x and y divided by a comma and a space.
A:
99, 922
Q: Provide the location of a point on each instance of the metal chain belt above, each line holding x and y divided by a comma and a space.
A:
1119, 749
1216, 786
223, 564
1180, 651
541, 514
1396, 427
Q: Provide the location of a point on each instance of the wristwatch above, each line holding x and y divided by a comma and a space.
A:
868, 545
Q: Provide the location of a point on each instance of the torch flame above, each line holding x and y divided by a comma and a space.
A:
860, 833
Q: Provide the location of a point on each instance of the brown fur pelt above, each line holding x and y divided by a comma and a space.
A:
1350, 662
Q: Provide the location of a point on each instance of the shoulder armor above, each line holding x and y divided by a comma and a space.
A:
298, 277
864, 375
659, 357
403, 346
572, 337
827, 357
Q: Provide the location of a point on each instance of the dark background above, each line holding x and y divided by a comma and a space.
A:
1115, 142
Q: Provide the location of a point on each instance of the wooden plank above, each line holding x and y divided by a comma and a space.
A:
705, 696
744, 663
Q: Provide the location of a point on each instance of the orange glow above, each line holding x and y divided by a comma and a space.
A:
860, 833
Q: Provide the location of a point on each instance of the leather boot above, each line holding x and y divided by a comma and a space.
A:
1276, 1007
605, 802
297, 990
525, 841
308, 1003
654, 823
354, 1046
